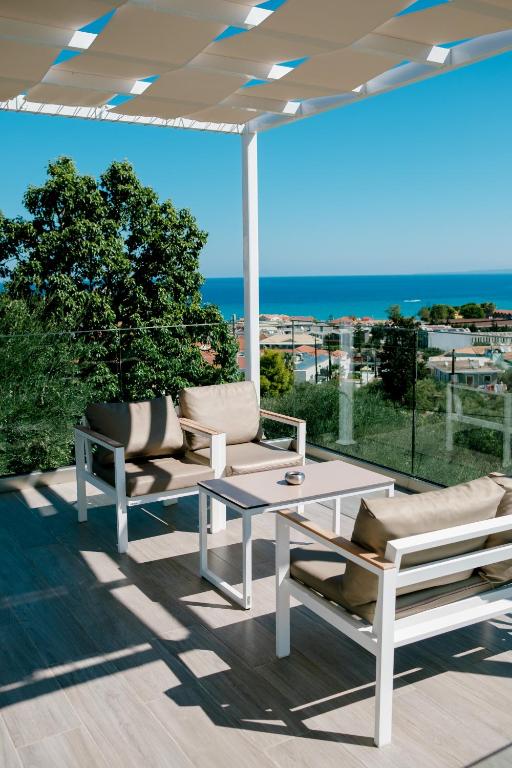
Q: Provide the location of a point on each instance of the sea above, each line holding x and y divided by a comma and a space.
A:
326, 297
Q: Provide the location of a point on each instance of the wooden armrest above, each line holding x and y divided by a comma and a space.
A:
281, 417
96, 437
344, 545
199, 429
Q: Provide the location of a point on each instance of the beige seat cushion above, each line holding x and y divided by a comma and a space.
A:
498, 573
250, 457
381, 520
156, 475
230, 408
323, 570
147, 429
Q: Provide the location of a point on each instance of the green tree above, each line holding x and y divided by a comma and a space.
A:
471, 310
377, 335
400, 365
394, 313
108, 254
276, 377
440, 313
359, 337
331, 341
506, 378
429, 352
43, 391
489, 308
424, 314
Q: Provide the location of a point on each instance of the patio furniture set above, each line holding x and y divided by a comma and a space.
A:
416, 566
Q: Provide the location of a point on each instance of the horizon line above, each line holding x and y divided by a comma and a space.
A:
505, 270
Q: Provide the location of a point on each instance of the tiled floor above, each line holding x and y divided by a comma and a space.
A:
132, 660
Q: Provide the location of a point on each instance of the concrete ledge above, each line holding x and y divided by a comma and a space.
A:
35, 479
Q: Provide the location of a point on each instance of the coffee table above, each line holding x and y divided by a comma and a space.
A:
259, 492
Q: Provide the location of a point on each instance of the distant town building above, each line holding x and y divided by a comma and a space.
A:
477, 372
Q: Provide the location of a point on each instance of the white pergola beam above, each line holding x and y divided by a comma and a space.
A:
251, 257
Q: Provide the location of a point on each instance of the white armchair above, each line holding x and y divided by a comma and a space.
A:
417, 594
140, 457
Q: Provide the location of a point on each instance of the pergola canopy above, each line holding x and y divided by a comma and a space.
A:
231, 65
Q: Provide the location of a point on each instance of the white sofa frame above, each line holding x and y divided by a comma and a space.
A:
387, 632
85, 438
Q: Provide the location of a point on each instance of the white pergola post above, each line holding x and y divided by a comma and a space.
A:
251, 257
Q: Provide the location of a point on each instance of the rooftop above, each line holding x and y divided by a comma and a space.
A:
107, 657
277, 339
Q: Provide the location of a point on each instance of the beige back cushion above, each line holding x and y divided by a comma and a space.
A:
230, 408
499, 573
147, 429
381, 520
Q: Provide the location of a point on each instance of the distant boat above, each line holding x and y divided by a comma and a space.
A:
411, 301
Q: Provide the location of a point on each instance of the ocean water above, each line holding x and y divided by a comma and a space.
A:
361, 295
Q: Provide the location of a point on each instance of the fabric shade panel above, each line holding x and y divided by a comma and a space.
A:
256, 45
197, 85
10, 88
146, 106
90, 63
341, 70
444, 24
227, 115
341, 22
285, 90
23, 65
71, 97
144, 33
66, 14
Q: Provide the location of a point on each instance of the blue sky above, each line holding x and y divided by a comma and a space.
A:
417, 180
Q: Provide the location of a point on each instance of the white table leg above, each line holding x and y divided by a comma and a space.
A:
217, 516
203, 532
247, 559
282, 588
242, 599
390, 491
336, 518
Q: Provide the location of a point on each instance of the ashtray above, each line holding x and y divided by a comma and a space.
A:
295, 477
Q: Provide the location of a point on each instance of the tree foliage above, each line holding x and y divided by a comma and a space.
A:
276, 376
43, 391
107, 257
441, 313
471, 310
400, 366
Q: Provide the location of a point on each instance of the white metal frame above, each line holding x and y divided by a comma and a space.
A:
251, 257
85, 438
387, 633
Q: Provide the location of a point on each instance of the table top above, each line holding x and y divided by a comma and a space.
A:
323, 480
